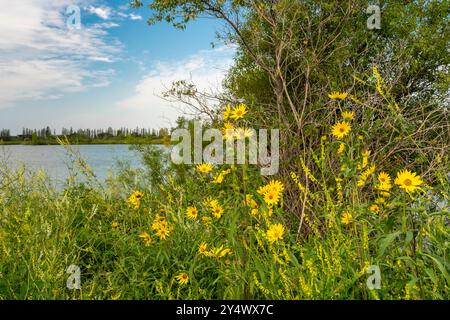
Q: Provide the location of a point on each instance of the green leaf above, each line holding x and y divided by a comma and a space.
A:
386, 241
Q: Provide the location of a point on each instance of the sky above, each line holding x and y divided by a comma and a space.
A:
111, 71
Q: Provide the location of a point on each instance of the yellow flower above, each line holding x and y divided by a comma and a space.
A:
254, 212
162, 233
338, 95
250, 201
218, 179
239, 111
206, 220
242, 133
204, 167
374, 208
192, 212
346, 218
341, 129
380, 200
271, 197
348, 115
408, 180
146, 237
182, 278
365, 160
135, 199
272, 192
227, 112
341, 148
202, 248
366, 175
217, 211
275, 232
218, 252
228, 131
114, 224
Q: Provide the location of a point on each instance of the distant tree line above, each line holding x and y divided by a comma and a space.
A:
47, 132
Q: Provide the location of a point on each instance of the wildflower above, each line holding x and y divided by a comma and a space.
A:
365, 159
338, 95
374, 208
380, 200
202, 248
250, 201
341, 129
384, 184
341, 148
271, 197
146, 237
217, 211
366, 175
254, 212
275, 232
272, 192
192, 212
182, 278
206, 220
135, 199
218, 252
239, 112
204, 167
114, 224
348, 115
346, 218
242, 133
162, 233
218, 179
361, 138
227, 112
408, 180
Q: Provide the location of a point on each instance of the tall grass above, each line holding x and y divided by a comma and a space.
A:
111, 233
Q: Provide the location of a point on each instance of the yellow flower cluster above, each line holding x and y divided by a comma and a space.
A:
235, 113
161, 227
135, 199
272, 192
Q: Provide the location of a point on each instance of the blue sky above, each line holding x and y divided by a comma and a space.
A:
110, 72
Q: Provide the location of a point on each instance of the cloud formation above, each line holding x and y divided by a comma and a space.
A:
206, 69
41, 58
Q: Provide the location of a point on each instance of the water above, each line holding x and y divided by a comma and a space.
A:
55, 161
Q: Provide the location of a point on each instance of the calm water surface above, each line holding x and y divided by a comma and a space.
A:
55, 161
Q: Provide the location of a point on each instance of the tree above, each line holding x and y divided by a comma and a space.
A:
291, 54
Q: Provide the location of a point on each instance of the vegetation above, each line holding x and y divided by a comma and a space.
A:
86, 136
363, 181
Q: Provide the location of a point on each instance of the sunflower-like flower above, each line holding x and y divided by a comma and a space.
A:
338, 95
146, 237
408, 181
275, 232
202, 248
218, 252
204, 167
384, 184
218, 179
227, 112
374, 208
182, 278
239, 111
341, 129
346, 218
272, 192
135, 199
348, 115
192, 213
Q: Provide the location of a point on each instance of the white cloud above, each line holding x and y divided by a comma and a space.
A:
40, 58
206, 69
135, 17
101, 12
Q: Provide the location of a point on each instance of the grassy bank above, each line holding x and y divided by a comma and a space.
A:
225, 232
